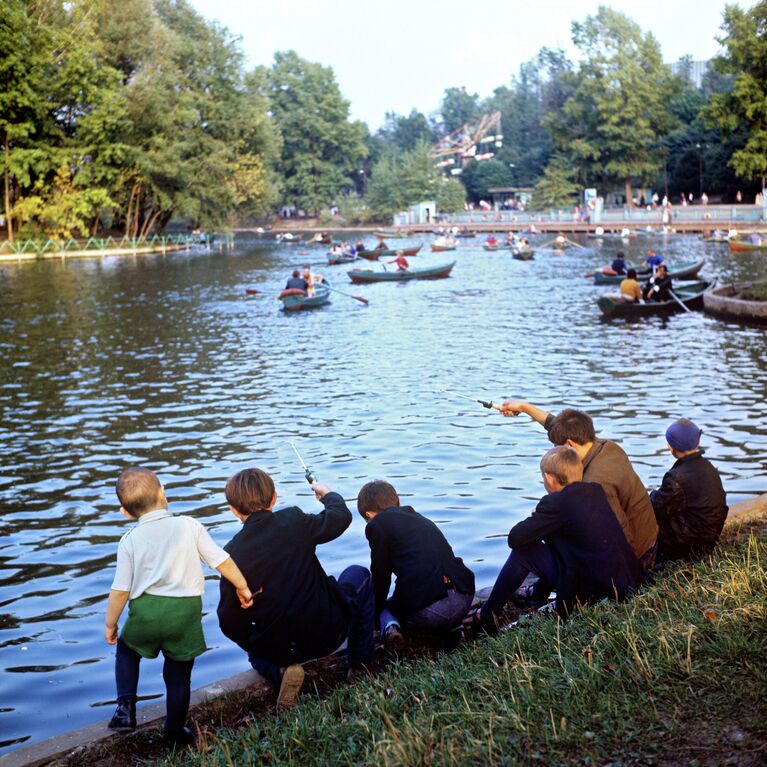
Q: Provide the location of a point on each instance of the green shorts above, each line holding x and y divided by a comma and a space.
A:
170, 624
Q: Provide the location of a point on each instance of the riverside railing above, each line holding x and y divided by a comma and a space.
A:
105, 244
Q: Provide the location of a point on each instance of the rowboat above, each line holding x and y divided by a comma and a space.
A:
686, 271
294, 300
523, 255
488, 246
442, 248
465, 235
376, 253
342, 259
691, 295
384, 233
741, 246
364, 276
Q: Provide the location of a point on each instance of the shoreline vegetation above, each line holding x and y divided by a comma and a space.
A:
675, 676
124, 116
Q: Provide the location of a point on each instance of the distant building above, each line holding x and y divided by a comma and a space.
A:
695, 70
420, 213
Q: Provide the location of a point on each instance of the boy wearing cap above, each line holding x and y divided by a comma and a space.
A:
690, 505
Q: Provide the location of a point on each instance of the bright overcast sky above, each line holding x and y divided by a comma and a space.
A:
398, 55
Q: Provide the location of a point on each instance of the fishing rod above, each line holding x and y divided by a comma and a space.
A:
485, 403
310, 476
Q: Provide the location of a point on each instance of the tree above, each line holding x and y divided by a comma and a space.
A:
478, 177
556, 188
458, 108
609, 127
26, 50
322, 149
745, 105
408, 178
402, 133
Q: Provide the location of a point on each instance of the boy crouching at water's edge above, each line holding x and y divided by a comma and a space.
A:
433, 589
572, 541
159, 575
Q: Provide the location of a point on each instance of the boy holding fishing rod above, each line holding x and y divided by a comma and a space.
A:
299, 613
606, 463
433, 589
572, 541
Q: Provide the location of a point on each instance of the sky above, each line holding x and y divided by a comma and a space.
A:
399, 55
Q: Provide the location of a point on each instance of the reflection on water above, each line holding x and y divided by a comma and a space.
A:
167, 362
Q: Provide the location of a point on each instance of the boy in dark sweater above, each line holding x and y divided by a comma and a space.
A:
433, 589
690, 505
299, 613
572, 541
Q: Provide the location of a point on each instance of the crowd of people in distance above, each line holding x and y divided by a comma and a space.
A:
658, 286
595, 534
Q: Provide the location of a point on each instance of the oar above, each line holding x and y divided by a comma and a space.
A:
573, 242
251, 291
349, 295
679, 301
482, 402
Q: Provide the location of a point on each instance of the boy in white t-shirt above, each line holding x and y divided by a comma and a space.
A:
159, 571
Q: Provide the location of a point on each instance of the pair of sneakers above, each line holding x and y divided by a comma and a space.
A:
124, 719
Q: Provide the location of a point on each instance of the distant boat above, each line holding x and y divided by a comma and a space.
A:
442, 248
691, 295
384, 233
743, 246
523, 255
376, 253
295, 300
342, 258
491, 246
684, 271
364, 276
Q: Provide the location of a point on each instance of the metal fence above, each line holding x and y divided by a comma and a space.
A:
40, 247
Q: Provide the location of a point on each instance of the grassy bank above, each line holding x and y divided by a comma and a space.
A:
675, 677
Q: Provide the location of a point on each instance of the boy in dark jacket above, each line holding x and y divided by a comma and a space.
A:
298, 613
572, 541
433, 588
690, 505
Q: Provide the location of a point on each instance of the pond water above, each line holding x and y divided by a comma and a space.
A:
166, 362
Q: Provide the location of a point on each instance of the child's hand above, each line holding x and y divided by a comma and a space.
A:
512, 407
110, 634
320, 490
246, 598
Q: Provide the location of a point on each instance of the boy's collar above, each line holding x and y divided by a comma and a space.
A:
151, 516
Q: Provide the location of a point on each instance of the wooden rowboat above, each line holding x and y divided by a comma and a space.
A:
376, 253
686, 271
364, 276
442, 248
691, 295
295, 300
741, 246
523, 255
342, 259
384, 233
488, 246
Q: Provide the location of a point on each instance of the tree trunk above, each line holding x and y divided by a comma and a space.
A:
627, 191
8, 216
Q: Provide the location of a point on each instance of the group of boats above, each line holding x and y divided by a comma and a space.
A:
689, 292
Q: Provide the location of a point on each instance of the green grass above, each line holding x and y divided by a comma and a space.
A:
677, 676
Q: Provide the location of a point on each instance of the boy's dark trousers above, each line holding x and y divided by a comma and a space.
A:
535, 558
177, 675
442, 615
360, 642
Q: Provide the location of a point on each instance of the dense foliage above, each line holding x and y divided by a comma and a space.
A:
124, 114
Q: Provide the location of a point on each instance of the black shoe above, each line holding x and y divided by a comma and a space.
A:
178, 738
125, 717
